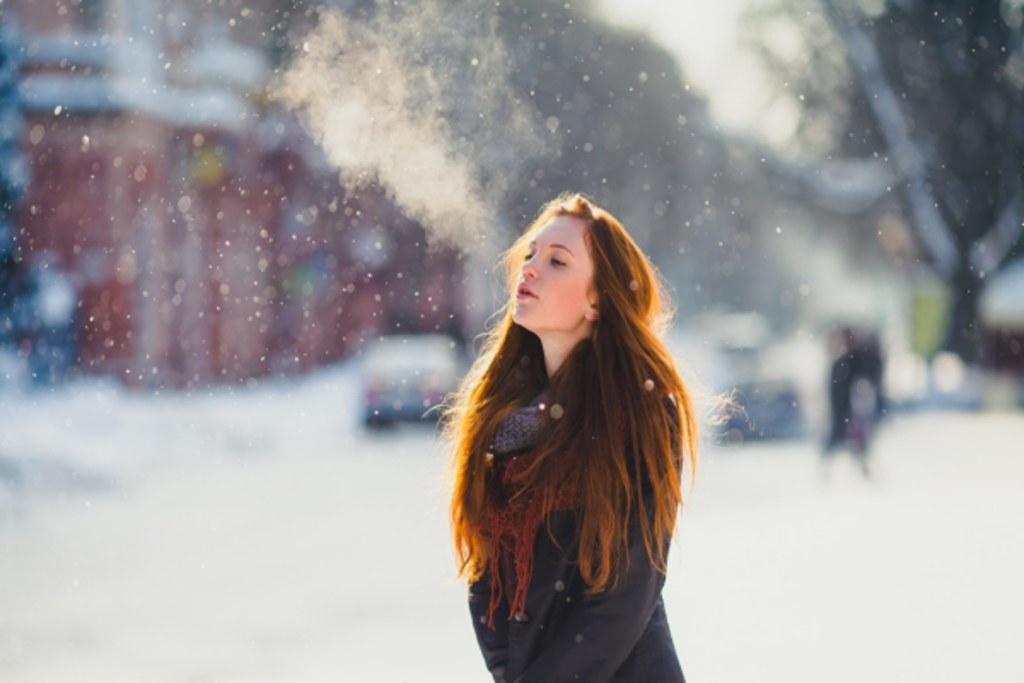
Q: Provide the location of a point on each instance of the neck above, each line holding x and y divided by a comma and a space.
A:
553, 358
556, 350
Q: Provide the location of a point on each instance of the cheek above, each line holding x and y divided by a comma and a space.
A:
573, 299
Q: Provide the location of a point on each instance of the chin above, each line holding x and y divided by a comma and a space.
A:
517, 319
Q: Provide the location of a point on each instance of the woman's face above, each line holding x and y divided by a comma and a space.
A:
555, 291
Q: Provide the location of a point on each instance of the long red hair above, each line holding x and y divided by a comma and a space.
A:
612, 389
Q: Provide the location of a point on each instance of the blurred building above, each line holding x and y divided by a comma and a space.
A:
205, 235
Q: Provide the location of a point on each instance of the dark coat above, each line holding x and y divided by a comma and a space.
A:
861, 359
620, 635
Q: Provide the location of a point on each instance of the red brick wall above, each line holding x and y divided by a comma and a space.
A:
201, 256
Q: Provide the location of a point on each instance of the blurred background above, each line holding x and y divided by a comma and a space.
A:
246, 248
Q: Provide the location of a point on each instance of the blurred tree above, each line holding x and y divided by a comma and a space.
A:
934, 88
15, 284
616, 120
626, 130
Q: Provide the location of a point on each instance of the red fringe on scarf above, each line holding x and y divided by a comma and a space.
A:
514, 522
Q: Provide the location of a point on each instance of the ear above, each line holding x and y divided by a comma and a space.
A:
591, 313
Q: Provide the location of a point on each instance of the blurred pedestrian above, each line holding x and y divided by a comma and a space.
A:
54, 309
570, 437
855, 394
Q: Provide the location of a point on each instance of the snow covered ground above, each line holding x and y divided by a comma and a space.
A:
259, 535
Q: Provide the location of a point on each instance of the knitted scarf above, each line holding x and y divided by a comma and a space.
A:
514, 513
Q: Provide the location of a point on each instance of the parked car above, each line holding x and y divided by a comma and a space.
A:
767, 376
405, 377
770, 410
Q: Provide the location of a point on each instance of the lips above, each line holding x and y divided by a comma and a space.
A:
524, 291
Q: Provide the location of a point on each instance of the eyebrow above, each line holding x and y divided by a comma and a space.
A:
555, 246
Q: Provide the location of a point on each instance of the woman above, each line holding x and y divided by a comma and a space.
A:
569, 436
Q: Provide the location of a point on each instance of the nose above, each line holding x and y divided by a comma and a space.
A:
529, 270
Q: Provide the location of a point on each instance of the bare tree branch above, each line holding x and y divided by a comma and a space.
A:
934, 232
988, 255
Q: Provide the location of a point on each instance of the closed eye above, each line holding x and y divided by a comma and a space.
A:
554, 261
